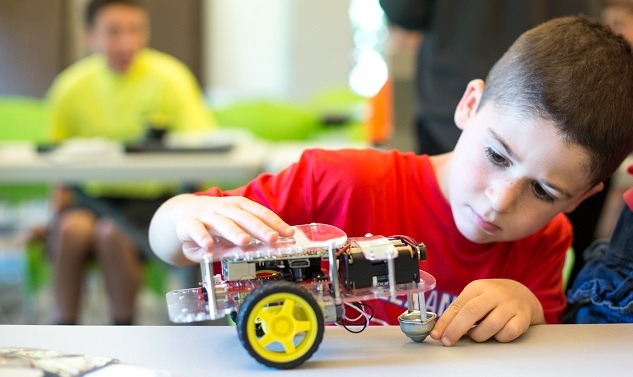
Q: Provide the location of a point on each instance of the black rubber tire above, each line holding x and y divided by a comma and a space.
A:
245, 322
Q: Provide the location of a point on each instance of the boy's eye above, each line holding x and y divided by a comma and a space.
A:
496, 158
541, 194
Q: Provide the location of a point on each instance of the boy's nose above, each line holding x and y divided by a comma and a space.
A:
503, 195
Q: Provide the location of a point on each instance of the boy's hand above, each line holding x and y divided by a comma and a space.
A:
234, 218
195, 220
499, 308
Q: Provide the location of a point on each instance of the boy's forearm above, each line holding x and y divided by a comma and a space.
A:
162, 233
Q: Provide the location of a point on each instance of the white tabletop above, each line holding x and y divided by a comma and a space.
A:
192, 351
240, 164
20, 164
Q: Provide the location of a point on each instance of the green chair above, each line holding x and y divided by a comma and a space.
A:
338, 101
22, 119
342, 113
269, 120
570, 259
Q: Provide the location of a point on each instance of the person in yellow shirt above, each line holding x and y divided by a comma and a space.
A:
118, 92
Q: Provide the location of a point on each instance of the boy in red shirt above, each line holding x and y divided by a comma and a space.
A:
552, 121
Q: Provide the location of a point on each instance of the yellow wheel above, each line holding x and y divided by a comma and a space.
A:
280, 324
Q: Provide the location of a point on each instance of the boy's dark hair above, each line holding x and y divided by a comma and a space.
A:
94, 7
575, 72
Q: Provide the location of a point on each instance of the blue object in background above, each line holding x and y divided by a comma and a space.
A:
603, 290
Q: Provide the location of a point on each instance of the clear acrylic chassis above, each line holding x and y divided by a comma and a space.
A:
218, 297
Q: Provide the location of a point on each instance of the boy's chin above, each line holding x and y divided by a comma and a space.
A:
475, 235
481, 237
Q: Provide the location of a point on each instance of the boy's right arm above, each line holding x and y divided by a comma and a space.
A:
196, 219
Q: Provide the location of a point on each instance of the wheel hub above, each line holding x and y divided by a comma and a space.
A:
282, 326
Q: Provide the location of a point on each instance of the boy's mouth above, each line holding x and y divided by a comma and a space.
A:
484, 224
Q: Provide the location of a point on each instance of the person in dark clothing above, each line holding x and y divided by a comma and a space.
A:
462, 39
603, 290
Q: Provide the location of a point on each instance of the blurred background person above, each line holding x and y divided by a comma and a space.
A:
461, 40
123, 91
617, 14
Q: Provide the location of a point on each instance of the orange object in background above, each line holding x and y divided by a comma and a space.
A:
380, 115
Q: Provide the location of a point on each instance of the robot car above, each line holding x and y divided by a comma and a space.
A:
281, 295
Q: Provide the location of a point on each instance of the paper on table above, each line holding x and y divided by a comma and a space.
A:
81, 150
33, 362
18, 151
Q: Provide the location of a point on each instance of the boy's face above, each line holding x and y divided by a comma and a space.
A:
510, 175
119, 33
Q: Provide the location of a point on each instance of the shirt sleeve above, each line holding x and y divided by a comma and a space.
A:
187, 105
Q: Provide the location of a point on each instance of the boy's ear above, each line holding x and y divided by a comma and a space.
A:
467, 106
592, 191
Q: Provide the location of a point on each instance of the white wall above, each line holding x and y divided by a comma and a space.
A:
286, 49
275, 48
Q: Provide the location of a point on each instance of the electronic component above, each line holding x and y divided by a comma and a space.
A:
364, 262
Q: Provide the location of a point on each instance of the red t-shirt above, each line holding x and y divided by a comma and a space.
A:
389, 193
628, 195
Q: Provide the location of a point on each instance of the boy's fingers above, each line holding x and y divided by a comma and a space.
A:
268, 217
227, 227
493, 325
445, 320
441, 323
193, 251
238, 225
194, 232
250, 218
236, 219
459, 318
503, 326
512, 330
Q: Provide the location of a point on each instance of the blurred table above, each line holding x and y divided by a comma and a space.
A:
239, 164
192, 351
